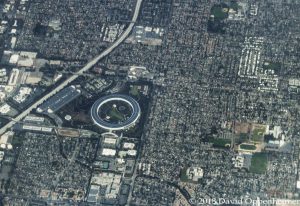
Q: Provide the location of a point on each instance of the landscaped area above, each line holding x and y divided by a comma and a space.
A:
259, 163
258, 133
134, 90
247, 147
116, 114
276, 66
220, 11
219, 142
234, 5
183, 175
17, 141
242, 137
115, 111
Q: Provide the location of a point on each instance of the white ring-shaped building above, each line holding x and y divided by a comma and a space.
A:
129, 122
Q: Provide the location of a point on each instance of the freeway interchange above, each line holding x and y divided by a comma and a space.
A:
89, 65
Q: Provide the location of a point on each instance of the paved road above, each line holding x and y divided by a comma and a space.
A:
74, 76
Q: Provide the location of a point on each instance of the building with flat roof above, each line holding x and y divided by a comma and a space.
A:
31, 118
34, 77
14, 76
194, 173
105, 186
110, 141
59, 100
108, 152
128, 145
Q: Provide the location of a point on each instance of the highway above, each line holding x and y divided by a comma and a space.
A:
78, 73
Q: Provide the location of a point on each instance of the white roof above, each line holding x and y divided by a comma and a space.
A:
26, 62
13, 42
14, 59
132, 152
2, 95
298, 184
109, 140
3, 139
108, 152
128, 145
4, 109
34, 118
28, 54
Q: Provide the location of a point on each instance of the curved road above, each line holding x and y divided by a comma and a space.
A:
74, 76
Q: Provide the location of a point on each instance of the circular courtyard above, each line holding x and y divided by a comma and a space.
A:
115, 112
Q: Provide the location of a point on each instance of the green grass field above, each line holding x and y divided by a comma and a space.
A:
116, 115
241, 138
258, 134
234, 6
183, 176
17, 141
220, 142
134, 90
244, 137
217, 11
259, 163
276, 66
248, 147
